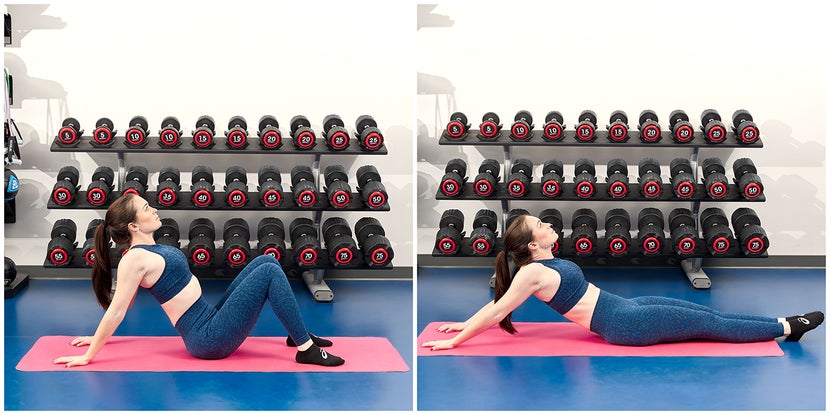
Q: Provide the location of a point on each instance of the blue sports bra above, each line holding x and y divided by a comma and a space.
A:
176, 274
572, 287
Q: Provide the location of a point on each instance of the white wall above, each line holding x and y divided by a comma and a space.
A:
116, 60
769, 58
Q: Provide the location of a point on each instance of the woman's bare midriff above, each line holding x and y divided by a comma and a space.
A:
582, 312
181, 302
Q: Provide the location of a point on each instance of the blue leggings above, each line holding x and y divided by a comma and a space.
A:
214, 332
642, 321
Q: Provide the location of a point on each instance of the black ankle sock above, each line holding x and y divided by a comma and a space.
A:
810, 315
317, 356
319, 341
802, 324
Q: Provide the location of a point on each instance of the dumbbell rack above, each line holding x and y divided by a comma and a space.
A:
691, 264
313, 278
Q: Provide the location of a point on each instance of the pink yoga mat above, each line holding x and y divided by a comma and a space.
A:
168, 354
570, 339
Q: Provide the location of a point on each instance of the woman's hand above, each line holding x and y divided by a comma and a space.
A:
72, 360
447, 328
439, 344
81, 341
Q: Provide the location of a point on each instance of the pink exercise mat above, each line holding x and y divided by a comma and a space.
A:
570, 339
168, 354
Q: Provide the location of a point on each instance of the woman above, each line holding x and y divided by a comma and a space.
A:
638, 321
209, 332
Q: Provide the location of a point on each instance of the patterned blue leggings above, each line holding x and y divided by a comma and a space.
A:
642, 321
214, 332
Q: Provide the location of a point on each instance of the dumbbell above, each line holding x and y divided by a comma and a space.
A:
235, 235
454, 177
650, 234
270, 188
618, 127
617, 178
586, 129
681, 129
522, 126
554, 217
714, 179
135, 181
372, 191
237, 134
341, 246
751, 235
167, 192
66, 186
371, 238
745, 129
368, 134
70, 131
98, 192
488, 175
236, 186
104, 132
270, 137
62, 245
136, 136
304, 241
716, 230
749, 183
683, 231
584, 231
168, 233
170, 134
489, 128
483, 235
713, 129
201, 188
521, 174
649, 127
335, 133
450, 232
302, 136
651, 185
584, 178
554, 126
203, 135
552, 178
271, 238
337, 189
303, 187
201, 248
617, 232
512, 215
457, 127
88, 250
682, 179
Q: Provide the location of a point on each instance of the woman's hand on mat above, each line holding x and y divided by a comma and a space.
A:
81, 341
72, 360
438, 344
446, 328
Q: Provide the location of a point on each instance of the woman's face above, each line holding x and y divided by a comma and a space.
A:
146, 217
543, 233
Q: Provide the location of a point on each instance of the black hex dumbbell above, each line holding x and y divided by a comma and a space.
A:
488, 176
270, 137
584, 231
334, 132
136, 135
649, 127
104, 132
552, 178
61, 247
98, 192
490, 127
304, 241
716, 230
681, 129
371, 238
618, 127
554, 217
617, 178
450, 232
205, 132
70, 132
236, 186
457, 127
682, 178
338, 191
168, 233
746, 131
372, 191
452, 183
522, 126
683, 231
617, 232
714, 179
483, 235
521, 174
368, 134
201, 188
303, 186
339, 243
713, 129
201, 248
586, 129
650, 234
512, 215
747, 179
584, 178
170, 133
651, 184
270, 186
66, 186
88, 249
236, 235
554, 126
302, 136
237, 134
167, 192
751, 236
135, 181
271, 238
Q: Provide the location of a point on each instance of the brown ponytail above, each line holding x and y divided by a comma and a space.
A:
118, 216
516, 239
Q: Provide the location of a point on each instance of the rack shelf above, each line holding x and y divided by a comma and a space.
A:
83, 144
601, 140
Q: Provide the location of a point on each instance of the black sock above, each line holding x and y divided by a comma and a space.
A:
802, 324
317, 356
812, 314
319, 341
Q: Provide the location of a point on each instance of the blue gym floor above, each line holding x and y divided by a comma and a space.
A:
68, 307
795, 381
